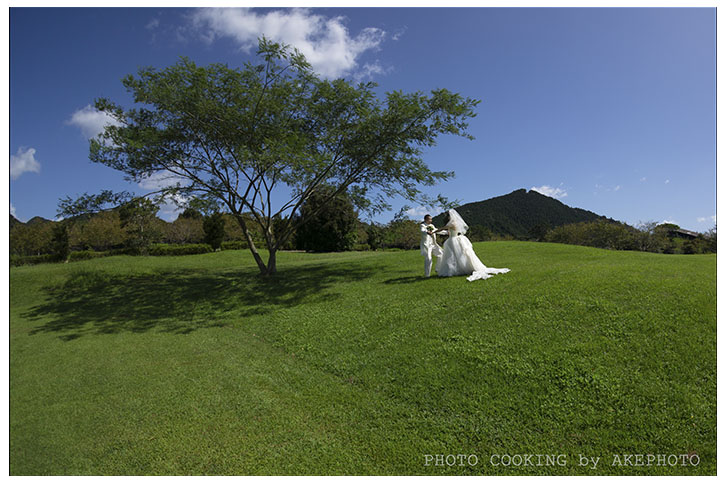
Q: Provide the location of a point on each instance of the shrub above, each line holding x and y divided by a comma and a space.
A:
178, 250
128, 250
20, 260
229, 245
87, 254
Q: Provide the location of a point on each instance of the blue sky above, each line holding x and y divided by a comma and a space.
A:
610, 110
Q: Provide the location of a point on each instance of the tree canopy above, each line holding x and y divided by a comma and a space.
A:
235, 136
331, 227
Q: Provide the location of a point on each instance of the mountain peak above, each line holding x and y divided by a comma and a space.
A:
38, 220
517, 212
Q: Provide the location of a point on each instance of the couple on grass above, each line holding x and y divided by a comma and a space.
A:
457, 256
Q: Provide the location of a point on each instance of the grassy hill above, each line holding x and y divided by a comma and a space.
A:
517, 212
351, 363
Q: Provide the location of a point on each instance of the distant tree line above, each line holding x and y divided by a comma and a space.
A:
664, 238
134, 228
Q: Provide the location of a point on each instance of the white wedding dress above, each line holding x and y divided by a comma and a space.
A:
459, 258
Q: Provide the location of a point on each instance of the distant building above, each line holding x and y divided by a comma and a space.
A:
683, 233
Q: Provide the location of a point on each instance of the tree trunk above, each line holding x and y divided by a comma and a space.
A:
272, 262
255, 253
263, 269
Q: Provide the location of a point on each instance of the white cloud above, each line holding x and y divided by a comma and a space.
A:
417, 212
668, 221
152, 24
368, 71
599, 187
643, 179
710, 218
325, 42
399, 33
554, 192
12, 210
91, 122
170, 210
22, 162
667, 181
162, 179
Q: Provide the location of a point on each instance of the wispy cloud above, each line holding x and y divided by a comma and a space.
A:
91, 122
325, 41
598, 187
22, 162
643, 179
399, 33
368, 71
417, 212
708, 218
162, 179
12, 210
554, 192
667, 181
153, 27
170, 209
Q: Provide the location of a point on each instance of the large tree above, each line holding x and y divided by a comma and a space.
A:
234, 136
331, 223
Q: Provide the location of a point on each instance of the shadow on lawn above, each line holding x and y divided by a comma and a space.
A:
181, 301
406, 280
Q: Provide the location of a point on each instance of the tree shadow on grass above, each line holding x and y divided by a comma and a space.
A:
406, 279
181, 301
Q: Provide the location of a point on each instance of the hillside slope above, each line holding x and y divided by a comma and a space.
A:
518, 212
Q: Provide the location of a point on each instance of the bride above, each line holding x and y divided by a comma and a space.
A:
458, 255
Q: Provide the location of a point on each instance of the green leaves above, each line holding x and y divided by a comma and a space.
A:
238, 134
91, 203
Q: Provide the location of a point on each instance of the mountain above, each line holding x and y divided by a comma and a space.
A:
14, 221
518, 212
38, 220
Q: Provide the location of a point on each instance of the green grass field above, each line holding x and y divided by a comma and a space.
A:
352, 363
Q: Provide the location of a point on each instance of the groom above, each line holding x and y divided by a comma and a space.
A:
428, 245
